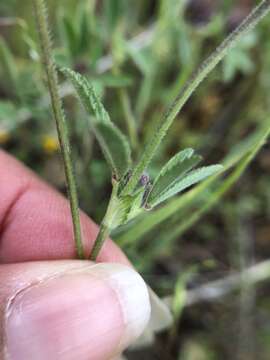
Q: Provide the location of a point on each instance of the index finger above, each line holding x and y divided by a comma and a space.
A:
35, 220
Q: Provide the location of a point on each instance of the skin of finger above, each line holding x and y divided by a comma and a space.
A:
18, 280
15, 277
35, 221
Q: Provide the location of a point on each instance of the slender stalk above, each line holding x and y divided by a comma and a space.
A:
199, 75
62, 130
106, 224
103, 234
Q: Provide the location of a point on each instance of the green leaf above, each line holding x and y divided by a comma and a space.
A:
125, 208
183, 183
87, 95
111, 140
175, 169
114, 146
177, 205
135, 205
186, 91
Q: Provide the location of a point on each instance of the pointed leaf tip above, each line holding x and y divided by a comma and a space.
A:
185, 182
112, 141
87, 95
175, 169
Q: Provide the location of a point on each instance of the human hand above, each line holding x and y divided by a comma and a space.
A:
51, 307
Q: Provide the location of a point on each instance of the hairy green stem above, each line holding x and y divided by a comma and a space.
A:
103, 234
199, 75
62, 130
106, 224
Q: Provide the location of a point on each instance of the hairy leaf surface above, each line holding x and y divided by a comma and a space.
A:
113, 143
175, 169
183, 183
87, 95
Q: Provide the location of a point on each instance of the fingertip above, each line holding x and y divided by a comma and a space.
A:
92, 312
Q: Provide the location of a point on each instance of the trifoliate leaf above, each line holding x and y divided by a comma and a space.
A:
113, 143
183, 183
175, 169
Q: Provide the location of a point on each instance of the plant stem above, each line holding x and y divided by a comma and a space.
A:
199, 75
103, 234
106, 224
62, 130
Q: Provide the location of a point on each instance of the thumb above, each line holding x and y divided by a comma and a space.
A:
70, 310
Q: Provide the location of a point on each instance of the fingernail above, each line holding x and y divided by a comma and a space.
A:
93, 314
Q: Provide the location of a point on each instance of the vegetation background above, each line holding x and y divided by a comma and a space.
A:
138, 54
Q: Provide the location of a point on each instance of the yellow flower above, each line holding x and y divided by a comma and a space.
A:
4, 136
50, 144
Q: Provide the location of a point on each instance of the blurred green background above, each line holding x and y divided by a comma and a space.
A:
138, 54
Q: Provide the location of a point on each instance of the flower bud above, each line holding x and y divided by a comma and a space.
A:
144, 179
